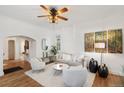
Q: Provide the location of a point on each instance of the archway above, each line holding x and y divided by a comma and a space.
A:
25, 48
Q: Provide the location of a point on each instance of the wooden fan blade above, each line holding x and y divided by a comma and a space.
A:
63, 18
44, 7
63, 10
43, 16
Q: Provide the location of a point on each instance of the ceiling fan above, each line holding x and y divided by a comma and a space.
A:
54, 13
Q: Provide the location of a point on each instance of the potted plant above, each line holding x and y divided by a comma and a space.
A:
53, 52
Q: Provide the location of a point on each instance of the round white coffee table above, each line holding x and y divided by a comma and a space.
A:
60, 66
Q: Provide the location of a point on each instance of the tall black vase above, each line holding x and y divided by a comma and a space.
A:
103, 71
93, 66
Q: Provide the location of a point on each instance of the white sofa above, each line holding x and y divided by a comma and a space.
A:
75, 76
66, 58
37, 64
63, 57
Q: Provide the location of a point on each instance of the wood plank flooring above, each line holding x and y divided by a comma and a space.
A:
110, 81
19, 79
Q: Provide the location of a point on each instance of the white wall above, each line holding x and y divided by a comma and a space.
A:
68, 38
1, 55
19, 47
72, 38
114, 61
32, 48
13, 27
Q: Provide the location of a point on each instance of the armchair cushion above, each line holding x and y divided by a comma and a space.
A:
37, 64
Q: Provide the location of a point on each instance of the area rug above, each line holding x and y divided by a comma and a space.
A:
13, 69
49, 78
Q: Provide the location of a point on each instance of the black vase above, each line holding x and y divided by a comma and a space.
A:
93, 66
103, 71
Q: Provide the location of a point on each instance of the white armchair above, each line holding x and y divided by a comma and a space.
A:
75, 76
37, 64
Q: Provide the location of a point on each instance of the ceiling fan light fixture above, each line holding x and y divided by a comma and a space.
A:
58, 12
54, 13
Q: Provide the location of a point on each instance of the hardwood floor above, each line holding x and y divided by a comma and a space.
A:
19, 79
110, 81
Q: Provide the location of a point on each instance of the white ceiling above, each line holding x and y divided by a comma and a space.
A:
76, 13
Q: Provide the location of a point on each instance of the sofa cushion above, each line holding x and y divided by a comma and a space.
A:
66, 57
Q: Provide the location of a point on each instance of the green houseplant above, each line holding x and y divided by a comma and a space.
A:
53, 50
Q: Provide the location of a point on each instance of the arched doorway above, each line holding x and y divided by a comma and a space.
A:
18, 48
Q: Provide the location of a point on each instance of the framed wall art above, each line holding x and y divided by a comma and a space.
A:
101, 37
115, 41
89, 42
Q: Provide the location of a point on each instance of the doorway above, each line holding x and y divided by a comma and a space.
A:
11, 49
14, 46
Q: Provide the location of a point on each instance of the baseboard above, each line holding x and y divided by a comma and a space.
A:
1, 73
118, 73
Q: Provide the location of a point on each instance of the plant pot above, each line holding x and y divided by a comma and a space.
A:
52, 58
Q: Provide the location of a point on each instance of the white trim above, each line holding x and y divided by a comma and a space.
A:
1, 73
